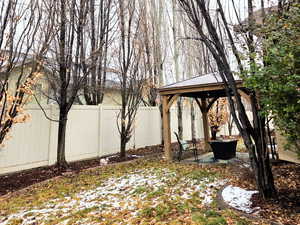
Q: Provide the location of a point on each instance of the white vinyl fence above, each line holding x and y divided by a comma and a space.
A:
91, 132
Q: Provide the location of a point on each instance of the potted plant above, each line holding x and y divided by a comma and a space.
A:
218, 116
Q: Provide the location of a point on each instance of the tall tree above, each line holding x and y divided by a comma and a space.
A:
197, 62
67, 63
131, 78
157, 10
99, 38
176, 30
158, 48
150, 48
253, 135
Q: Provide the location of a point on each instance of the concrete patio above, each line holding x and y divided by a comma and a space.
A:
208, 158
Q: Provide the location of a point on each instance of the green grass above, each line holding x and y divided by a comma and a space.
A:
209, 217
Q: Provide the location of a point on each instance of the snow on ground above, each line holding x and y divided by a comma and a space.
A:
238, 198
119, 194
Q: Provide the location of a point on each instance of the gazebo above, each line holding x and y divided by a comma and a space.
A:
205, 90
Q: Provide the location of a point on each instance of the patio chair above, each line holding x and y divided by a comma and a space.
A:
184, 146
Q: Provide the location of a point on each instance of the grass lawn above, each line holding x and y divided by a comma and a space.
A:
141, 192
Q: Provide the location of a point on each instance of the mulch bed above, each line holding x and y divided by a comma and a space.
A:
284, 210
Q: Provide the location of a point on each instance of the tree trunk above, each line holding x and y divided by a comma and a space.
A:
193, 127
214, 130
260, 163
261, 160
179, 114
162, 125
123, 133
264, 176
230, 125
123, 146
61, 154
123, 149
262, 170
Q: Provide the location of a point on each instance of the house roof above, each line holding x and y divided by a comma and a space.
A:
209, 84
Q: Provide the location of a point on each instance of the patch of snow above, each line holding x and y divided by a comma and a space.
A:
207, 194
137, 156
246, 165
104, 161
238, 198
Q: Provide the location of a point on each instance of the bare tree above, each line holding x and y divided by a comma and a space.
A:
99, 38
152, 27
67, 63
197, 62
253, 135
157, 11
132, 79
147, 35
20, 25
176, 31
152, 60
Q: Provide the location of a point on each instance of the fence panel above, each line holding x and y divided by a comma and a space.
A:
29, 145
82, 137
187, 123
147, 129
110, 137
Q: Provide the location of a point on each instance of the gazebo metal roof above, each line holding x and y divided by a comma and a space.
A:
209, 85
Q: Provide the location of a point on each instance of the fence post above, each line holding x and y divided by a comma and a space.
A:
100, 124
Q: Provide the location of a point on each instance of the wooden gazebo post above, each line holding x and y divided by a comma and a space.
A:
166, 128
167, 103
204, 111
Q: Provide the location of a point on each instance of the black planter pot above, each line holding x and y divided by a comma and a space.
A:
224, 149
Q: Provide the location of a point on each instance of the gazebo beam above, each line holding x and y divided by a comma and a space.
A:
193, 89
211, 103
172, 100
200, 105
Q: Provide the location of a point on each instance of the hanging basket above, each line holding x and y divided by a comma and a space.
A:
224, 149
